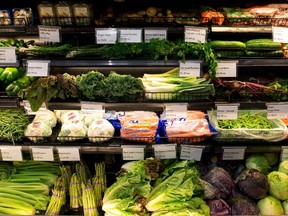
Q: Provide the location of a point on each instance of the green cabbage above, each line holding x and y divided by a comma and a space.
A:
283, 167
258, 162
278, 182
285, 207
269, 205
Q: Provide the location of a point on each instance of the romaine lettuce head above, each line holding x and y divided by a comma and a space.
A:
278, 182
283, 167
269, 205
179, 212
177, 187
127, 186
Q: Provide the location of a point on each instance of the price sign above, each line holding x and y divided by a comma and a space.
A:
106, 35
38, 68
189, 152
190, 69
195, 34
49, 34
8, 55
233, 153
178, 110
284, 153
130, 35
227, 69
227, 112
69, 153
154, 33
42, 153
92, 108
133, 153
280, 34
165, 151
11, 153
276, 111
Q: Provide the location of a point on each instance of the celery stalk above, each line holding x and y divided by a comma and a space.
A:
17, 204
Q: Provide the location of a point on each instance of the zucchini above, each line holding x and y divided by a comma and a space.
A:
262, 44
221, 44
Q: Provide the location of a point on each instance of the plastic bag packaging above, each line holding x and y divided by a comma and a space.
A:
37, 131
72, 130
100, 131
277, 132
46, 116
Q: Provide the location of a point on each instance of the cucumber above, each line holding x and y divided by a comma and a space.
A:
221, 44
277, 53
262, 44
229, 53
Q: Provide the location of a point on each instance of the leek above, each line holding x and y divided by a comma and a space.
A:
171, 73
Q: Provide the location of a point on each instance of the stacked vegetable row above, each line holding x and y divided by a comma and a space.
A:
25, 186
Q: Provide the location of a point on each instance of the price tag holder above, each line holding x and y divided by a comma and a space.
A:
130, 35
42, 153
133, 152
189, 152
276, 111
165, 151
106, 35
280, 34
150, 33
233, 153
91, 108
195, 34
178, 110
38, 68
227, 112
69, 153
190, 69
49, 33
284, 153
227, 69
11, 153
8, 55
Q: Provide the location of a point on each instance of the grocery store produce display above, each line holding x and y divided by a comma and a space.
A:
134, 83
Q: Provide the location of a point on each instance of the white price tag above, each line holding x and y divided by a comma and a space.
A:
38, 68
49, 34
133, 153
165, 151
11, 153
130, 36
92, 108
178, 110
190, 69
227, 112
106, 36
233, 153
280, 34
154, 33
69, 153
276, 111
8, 55
195, 34
227, 69
189, 152
42, 153
284, 153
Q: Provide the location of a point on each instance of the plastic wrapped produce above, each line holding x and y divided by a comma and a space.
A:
72, 130
100, 130
46, 116
22, 16
37, 130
